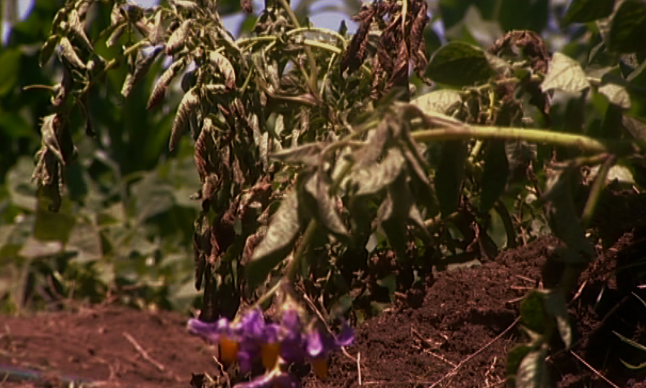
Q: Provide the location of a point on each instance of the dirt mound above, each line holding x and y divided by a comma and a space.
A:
468, 321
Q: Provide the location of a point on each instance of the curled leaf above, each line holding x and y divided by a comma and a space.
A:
116, 34
47, 50
189, 103
178, 39
77, 29
221, 63
68, 53
163, 82
375, 177
141, 69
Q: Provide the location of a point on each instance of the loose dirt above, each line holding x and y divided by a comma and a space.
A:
456, 333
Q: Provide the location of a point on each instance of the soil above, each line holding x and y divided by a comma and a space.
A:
456, 333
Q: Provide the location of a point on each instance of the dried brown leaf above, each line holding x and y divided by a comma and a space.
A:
77, 29
190, 102
116, 34
246, 6
221, 63
141, 69
201, 154
178, 38
163, 82
68, 54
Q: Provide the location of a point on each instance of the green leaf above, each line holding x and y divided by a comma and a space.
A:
450, 172
564, 221
522, 15
375, 177
514, 357
440, 101
583, 11
556, 306
52, 226
532, 311
494, 176
616, 94
459, 64
9, 69
326, 205
278, 242
564, 74
532, 371
628, 27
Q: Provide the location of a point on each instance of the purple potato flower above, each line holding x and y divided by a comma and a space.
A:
292, 340
321, 343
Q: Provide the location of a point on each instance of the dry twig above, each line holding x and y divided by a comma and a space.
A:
143, 352
596, 372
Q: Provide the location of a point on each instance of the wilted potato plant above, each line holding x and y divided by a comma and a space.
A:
331, 185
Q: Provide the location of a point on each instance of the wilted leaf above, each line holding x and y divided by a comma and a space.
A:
564, 74
115, 35
221, 63
68, 53
47, 50
307, 154
373, 178
616, 95
76, 27
326, 205
190, 102
177, 39
141, 69
163, 82
583, 11
494, 176
279, 240
532, 371
449, 175
628, 27
459, 64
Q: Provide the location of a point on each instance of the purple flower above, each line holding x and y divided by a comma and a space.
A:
272, 380
320, 343
292, 341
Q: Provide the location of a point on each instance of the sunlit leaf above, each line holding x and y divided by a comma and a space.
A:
177, 39
532, 371
616, 94
68, 53
45, 52
564, 74
440, 101
307, 154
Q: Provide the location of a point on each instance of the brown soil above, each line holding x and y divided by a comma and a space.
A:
454, 334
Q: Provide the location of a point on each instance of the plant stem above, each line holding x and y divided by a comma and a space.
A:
619, 147
299, 255
308, 51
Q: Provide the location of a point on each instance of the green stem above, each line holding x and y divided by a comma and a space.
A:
619, 147
299, 255
595, 191
308, 51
